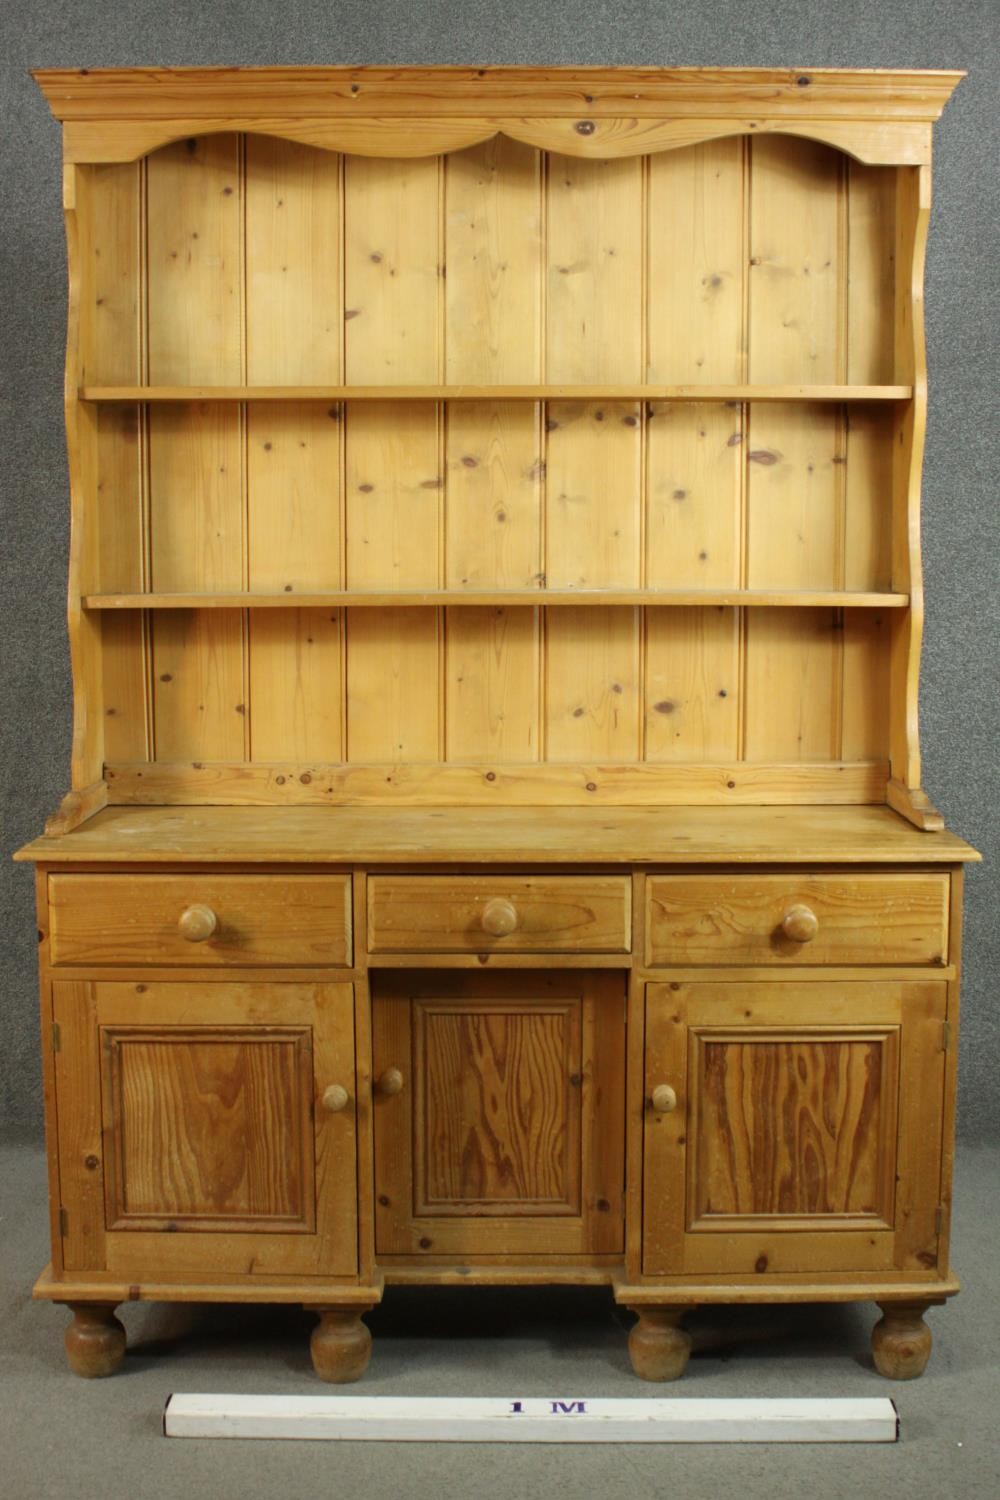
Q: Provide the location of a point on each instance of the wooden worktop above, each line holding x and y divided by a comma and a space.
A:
477, 835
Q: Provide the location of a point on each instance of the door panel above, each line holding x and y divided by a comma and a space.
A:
194, 1110
212, 1129
506, 1137
807, 1130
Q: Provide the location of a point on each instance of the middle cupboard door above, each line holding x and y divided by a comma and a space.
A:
499, 1121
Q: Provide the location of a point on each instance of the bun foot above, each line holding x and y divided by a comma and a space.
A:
901, 1340
658, 1346
95, 1340
341, 1344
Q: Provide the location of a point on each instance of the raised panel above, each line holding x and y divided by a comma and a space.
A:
506, 1136
209, 1129
497, 1115
792, 1126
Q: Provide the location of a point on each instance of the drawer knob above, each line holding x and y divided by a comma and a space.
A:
197, 923
800, 923
335, 1098
499, 917
391, 1082
664, 1099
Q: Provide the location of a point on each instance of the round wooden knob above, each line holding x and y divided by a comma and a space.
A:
335, 1098
800, 923
197, 923
499, 917
664, 1099
391, 1082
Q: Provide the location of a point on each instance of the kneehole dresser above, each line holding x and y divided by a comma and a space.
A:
496, 850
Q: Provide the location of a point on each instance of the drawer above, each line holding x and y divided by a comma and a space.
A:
201, 920
796, 919
506, 913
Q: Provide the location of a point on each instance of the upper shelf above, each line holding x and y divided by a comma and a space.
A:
495, 392
477, 598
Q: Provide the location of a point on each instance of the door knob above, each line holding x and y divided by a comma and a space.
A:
664, 1099
197, 923
335, 1098
390, 1082
800, 923
499, 917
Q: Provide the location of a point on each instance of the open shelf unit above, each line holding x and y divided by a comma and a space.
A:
498, 456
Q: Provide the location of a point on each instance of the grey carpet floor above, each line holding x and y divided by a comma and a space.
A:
60, 1436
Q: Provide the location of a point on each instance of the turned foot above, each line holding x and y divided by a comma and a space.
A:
658, 1346
341, 1345
95, 1340
901, 1340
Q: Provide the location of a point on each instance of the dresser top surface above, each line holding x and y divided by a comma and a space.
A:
482, 835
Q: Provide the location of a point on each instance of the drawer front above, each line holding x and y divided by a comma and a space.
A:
480, 914
200, 920
796, 919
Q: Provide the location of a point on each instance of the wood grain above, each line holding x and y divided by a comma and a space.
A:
863, 919
497, 1118
208, 1130
644, 835
464, 1164
442, 914
835, 1098
818, 1066
112, 919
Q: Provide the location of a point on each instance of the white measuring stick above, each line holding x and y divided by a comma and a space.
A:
491, 1419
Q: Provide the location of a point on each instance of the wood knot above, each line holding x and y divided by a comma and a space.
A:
584, 127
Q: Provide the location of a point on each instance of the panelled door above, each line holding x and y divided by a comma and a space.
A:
194, 1139
498, 1114
792, 1127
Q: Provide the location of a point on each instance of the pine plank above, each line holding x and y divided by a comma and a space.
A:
795, 489
493, 452
498, 598
294, 333
195, 333
792, 690
111, 350
644, 834
394, 480
549, 391
695, 227
693, 684
294, 327
594, 320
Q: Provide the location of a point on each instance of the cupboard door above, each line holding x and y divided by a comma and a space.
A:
193, 1137
498, 1114
792, 1127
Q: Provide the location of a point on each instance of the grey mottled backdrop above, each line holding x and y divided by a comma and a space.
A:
961, 677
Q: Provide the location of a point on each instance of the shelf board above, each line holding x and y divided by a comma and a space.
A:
437, 598
636, 392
